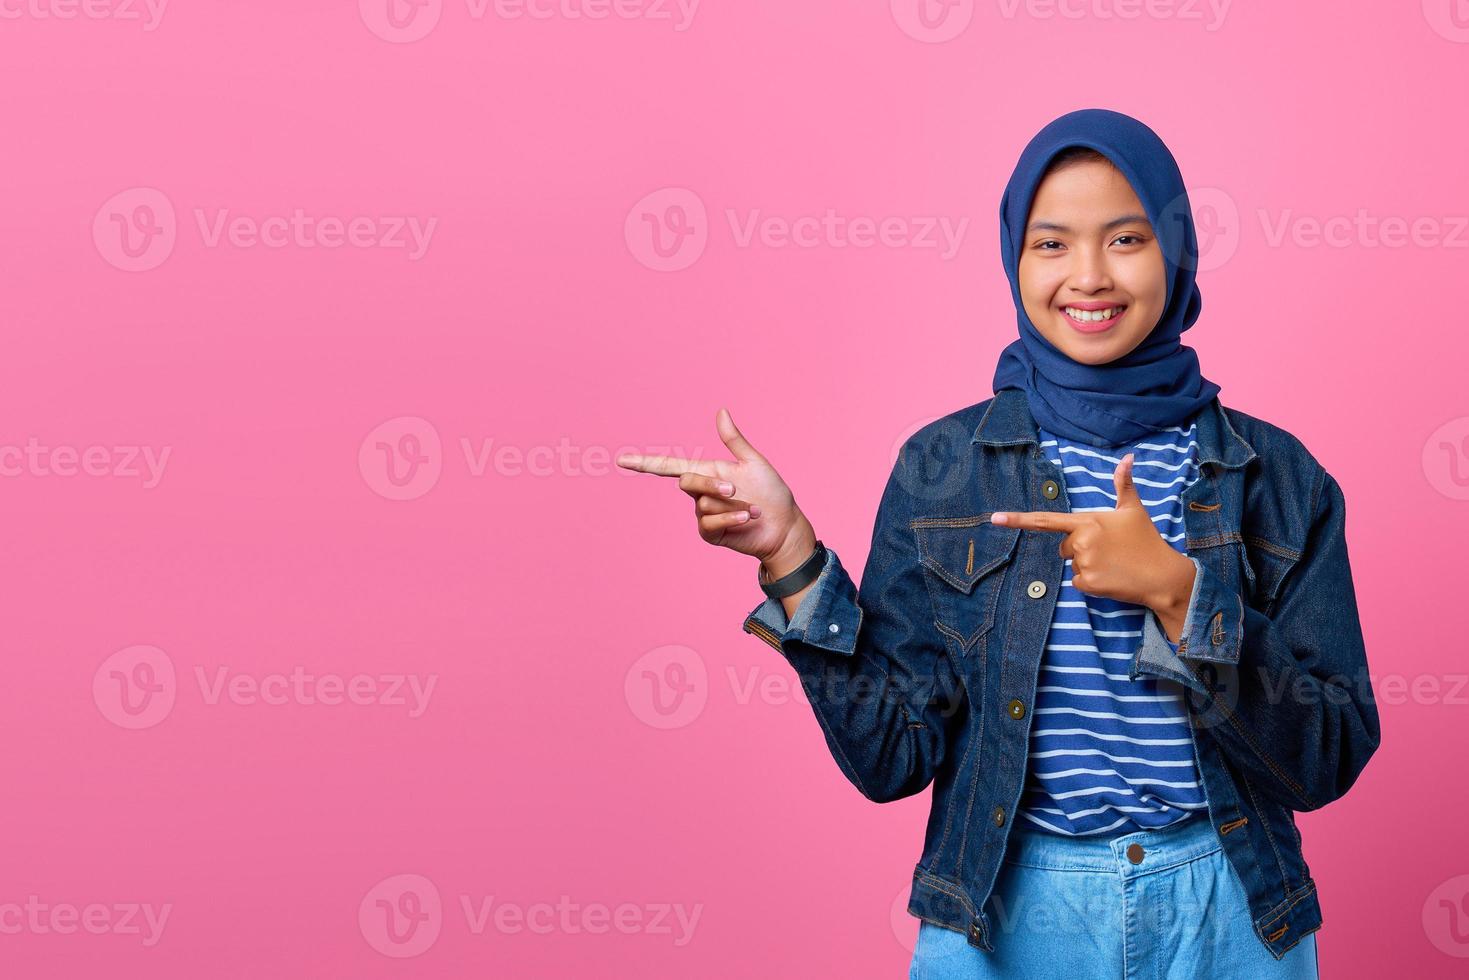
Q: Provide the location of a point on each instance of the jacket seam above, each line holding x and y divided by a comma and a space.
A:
953, 890
1265, 824
1272, 547
1290, 903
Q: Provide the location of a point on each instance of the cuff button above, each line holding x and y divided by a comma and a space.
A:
833, 628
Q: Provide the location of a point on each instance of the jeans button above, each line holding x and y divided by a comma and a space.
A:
1135, 853
1017, 708
1036, 589
999, 816
1050, 490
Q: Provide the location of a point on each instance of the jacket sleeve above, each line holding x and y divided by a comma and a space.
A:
1286, 696
872, 665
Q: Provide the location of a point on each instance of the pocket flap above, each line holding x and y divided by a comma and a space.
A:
963, 550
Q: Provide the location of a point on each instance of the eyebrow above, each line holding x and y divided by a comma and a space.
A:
1126, 219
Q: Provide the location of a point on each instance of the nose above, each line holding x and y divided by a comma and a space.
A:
1091, 274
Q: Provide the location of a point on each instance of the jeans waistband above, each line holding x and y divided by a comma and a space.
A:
1137, 852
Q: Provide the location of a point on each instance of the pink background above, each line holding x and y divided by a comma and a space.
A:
541, 771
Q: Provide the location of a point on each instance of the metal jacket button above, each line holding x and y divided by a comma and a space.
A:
999, 816
1050, 489
1036, 589
1135, 853
1017, 708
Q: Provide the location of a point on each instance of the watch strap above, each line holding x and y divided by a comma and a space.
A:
806, 573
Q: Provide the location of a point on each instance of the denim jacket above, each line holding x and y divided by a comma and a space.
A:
929, 673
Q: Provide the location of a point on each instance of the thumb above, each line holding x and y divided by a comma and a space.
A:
1122, 481
732, 437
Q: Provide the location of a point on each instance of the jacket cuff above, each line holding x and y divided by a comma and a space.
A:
1212, 632
828, 617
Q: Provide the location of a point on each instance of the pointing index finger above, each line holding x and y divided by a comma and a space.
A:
1039, 520
666, 465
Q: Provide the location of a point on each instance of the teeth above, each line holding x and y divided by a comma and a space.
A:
1092, 316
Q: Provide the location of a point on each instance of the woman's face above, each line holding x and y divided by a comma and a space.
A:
1091, 272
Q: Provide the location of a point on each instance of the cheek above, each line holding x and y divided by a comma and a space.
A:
1038, 284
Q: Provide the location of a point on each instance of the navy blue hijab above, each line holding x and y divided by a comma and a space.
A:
1157, 384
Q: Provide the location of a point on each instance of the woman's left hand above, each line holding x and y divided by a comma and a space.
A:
1119, 553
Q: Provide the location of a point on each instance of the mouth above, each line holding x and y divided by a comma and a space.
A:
1093, 320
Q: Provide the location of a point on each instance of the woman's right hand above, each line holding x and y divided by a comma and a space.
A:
741, 504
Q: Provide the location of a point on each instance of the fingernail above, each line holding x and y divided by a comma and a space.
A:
754, 510
726, 488
742, 516
999, 518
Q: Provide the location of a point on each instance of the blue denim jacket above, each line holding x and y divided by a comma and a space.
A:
928, 674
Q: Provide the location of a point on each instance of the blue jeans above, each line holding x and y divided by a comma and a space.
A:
1152, 903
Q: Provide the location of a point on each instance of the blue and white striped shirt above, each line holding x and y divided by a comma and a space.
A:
1109, 754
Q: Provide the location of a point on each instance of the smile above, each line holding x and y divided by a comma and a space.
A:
1092, 321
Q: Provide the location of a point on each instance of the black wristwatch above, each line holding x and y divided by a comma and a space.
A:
808, 572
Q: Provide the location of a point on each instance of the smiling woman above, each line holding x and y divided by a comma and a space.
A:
1078, 600
1092, 276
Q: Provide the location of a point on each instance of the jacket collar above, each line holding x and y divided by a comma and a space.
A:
1008, 422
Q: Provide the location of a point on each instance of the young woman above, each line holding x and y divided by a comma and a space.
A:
1109, 620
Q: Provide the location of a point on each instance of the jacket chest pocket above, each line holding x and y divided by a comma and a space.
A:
965, 558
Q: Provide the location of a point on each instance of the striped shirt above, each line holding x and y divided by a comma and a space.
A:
1108, 753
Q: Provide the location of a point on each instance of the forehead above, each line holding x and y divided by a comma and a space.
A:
1091, 188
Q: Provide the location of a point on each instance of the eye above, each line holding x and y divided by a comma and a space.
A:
1128, 240
1044, 245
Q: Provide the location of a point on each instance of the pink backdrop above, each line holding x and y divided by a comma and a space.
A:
274, 707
